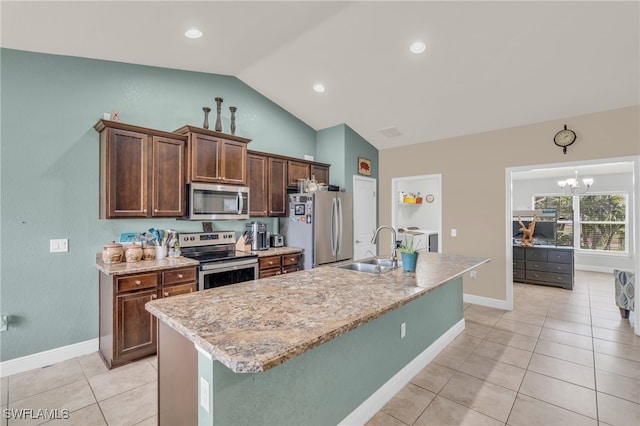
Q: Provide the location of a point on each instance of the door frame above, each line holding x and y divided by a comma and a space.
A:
394, 190
634, 211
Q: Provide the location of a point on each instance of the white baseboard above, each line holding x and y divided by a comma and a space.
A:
375, 402
42, 359
591, 268
486, 301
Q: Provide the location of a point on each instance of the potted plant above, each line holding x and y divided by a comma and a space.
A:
409, 254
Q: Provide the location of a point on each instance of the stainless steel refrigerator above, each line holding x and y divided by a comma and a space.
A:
321, 223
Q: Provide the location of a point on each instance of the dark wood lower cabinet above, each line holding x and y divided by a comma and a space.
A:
270, 266
135, 327
127, 330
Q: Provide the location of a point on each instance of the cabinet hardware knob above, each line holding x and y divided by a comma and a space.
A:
166, 294
155, 210
180, 275
284, 272
154, 296
270, 263
138, 282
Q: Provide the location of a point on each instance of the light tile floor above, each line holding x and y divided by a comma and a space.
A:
559, 358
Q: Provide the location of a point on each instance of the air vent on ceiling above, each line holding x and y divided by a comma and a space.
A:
390, 132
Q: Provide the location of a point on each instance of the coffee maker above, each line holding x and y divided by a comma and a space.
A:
257, 234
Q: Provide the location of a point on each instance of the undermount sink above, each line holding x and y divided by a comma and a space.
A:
370, 266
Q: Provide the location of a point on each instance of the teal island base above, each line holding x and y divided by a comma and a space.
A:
343, 381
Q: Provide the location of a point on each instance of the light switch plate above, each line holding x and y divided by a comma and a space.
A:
59, 245
204, 394
4, 322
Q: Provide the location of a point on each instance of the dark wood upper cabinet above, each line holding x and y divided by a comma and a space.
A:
257, 165
270, 176
141, 171
321, 173
297, 170
215, 157
167, 177
277, 195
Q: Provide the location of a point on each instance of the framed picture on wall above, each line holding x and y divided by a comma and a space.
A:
364, 166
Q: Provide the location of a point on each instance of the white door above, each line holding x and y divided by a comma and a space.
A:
365, 217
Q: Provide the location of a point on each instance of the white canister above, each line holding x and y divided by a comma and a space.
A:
161, 252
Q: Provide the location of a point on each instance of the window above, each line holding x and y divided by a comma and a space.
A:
601, 222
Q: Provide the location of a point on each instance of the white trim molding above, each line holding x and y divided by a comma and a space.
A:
43, 359
487, 301
375, 402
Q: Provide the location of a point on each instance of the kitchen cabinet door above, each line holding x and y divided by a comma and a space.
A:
167, 177
258, 188
277, 195
205, 158
135, 327
321, 173
297, 170
125, 158
234, 162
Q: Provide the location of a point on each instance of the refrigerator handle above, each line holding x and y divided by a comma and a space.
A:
339, 239
334, 213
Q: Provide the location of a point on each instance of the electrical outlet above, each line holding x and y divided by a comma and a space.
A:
474, 275
454, 232
4, 322
59, 245
204, 394
403, 330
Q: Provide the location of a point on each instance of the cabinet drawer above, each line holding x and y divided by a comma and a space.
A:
560, 256
536, 254
518, 253
290, 259
549, 277
563, 268
518, 264
518, 274
174, 276
269, 262
265, 273
136, 282
290, 268
174, 290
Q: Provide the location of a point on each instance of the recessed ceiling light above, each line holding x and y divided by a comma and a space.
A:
417, 47
193, 33
318, 87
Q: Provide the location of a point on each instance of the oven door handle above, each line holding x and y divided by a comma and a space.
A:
227, 265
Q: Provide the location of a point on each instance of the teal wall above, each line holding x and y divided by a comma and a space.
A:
340, 374
341, 146
49, 176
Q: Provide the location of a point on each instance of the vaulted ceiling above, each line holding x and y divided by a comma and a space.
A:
488, 65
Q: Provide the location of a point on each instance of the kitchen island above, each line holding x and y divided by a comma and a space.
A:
318, 346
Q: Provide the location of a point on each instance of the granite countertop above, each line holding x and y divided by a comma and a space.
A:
256, 325
143, 266
276, 251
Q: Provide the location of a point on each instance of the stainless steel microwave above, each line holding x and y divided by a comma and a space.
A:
208, 201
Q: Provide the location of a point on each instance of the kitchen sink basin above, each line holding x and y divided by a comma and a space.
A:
370, 266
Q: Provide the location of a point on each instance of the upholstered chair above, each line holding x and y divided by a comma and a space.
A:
625, 292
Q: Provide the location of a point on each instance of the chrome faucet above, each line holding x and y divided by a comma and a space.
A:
376, 259
394, 258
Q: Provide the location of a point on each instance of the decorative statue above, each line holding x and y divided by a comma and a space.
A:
233, 119
527, 233
206, 110
218, 127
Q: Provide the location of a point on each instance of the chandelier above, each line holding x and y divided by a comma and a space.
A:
572, 185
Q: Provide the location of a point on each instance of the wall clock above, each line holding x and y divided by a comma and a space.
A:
564, 138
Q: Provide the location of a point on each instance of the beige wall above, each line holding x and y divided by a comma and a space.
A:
473, 179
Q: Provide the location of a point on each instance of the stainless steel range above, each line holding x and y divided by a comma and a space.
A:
220, 263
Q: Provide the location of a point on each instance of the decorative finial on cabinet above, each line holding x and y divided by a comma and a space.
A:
218, 108
233, 119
